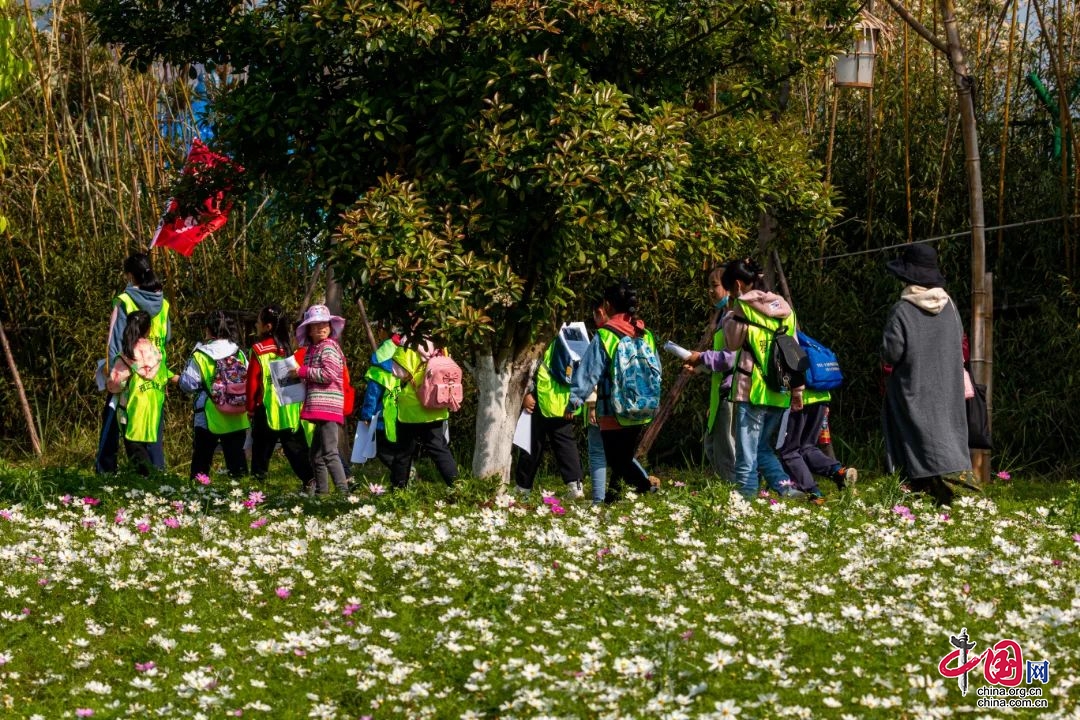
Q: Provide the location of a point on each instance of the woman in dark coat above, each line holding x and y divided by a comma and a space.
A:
925, 416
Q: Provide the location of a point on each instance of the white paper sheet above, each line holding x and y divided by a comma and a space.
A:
290, 389
363, 448
523, 432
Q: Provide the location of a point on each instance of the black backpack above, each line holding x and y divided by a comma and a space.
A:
786, 362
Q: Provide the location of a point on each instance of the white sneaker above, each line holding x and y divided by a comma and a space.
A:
577, 491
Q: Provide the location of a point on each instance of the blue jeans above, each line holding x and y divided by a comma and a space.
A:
755, 437
597, 465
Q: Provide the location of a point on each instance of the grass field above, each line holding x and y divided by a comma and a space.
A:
167, 598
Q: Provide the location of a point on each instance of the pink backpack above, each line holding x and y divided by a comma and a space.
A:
441, 389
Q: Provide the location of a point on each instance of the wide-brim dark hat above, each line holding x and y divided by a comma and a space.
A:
917, 265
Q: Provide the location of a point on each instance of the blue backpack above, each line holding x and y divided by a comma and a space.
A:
635, 375
824, 372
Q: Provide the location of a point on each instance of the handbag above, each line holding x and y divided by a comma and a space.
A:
978, 420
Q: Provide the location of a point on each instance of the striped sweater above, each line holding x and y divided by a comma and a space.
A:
323, 373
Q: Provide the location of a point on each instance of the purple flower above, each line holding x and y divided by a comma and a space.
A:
551, 500
558, 510
143, 667
283, 592
91, 502
171, 522
1004, 475
202, 479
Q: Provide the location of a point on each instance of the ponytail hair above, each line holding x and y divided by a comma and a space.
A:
220, 326
274, 316
622, 298
137, 328
745, 270
138, 266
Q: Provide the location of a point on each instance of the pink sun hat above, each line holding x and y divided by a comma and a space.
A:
316, 314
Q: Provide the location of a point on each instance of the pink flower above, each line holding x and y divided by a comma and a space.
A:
89, 523
5, 515
238, 713
36, 560
283, 592
258, 523
602, 552
1056, 563
904, 512
143, 667
551, 500
83, 712
1076, 537
143, 527
555, 564
1004, 475
763, 493
687, 635
171, 522
177, 506
376, 489
91, 502
966, 589
43, 581
679, 483
558, 510
350, 609
202, 479
773, 501
65, 499
945, 517
120, 517
254, 499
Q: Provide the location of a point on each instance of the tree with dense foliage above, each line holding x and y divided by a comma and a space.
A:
487, 163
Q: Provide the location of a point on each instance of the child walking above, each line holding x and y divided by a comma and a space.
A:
139, 376
418, 425
216, 374
381, 404
272, 422
323, 373
620, 435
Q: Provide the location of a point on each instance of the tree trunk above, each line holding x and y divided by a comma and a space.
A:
500, 389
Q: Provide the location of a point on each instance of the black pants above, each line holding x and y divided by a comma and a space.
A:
388, 452
293, 444
144, 455
232, 445
109, 440
430, 437
799, 453
559, 434
619, 448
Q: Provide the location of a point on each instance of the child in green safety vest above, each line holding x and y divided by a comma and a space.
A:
546, 401
620, 437
212, 426
143, 292
380, 404
139, 377
272, 422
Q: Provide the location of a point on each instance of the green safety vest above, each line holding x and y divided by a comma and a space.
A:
159, 324
716, 380
551, 395
278, 416
392, 387
141, 402
409, 408
216, 421
759, 342
610, 340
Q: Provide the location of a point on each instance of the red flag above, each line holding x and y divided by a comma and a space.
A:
208, 209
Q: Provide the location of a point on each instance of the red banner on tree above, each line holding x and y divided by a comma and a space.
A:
200, 205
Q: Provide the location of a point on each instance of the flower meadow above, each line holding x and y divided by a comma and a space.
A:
222, 600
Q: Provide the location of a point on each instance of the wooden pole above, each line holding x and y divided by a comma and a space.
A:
667, 407
367, 325
34, 441
982, 310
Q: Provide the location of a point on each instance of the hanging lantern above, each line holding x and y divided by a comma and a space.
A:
856, 68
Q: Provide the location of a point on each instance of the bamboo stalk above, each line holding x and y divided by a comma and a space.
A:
23, 402
1003, 143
